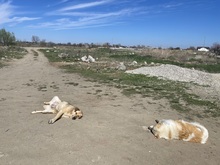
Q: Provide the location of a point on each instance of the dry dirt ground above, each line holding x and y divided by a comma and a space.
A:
110, 132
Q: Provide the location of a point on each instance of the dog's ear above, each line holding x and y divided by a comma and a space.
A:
157, 121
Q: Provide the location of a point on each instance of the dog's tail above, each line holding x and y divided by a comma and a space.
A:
205, 133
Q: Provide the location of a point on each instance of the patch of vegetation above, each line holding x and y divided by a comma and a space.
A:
11, 52
52, 55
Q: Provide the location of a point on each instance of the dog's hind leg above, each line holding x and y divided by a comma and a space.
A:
43, 111
47, 109
33, 112
58, 116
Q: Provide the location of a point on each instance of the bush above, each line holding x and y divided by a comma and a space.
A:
7, 38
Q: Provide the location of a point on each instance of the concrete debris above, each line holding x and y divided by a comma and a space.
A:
134, 63
87, 59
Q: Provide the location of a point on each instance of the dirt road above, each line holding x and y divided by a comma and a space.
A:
109, 133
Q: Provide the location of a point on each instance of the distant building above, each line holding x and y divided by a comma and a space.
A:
203, 49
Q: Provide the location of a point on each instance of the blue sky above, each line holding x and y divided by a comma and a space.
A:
156, 23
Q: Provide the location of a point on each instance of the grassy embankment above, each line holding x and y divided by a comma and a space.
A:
8, 53
176, 93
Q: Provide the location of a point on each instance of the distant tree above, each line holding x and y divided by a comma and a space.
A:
216, 48
50, 44
74, 45
106, 45
7, 38
117, 45
92, 45
43, 42
191, 48
171, 48
35, 39
80, 44
68, 44
177, 48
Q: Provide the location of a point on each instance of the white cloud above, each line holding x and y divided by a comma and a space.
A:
58, 3
88, 18
85, 5
22, 19
84, 20
66, 23
7, 14
5, 11
172, 5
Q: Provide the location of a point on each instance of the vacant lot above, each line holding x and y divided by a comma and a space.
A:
109, 133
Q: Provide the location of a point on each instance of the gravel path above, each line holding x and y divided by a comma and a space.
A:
176, 73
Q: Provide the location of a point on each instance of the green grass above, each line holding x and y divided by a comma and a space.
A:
174, 92
211, 68
12, 52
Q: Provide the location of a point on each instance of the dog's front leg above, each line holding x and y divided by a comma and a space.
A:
46, 103
58, 116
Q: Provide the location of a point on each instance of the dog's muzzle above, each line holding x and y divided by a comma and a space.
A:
150, 128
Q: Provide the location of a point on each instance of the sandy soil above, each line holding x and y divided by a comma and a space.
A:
110, 132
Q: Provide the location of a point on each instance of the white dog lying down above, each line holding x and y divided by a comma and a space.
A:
179, 129
62, 108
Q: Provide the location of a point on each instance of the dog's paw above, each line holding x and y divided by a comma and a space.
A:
50, 121
33, 112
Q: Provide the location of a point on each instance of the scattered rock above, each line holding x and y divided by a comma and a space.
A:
63, 55
134, 63
121, 66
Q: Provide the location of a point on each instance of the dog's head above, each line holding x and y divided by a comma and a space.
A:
162, 128
77, 114
155, 129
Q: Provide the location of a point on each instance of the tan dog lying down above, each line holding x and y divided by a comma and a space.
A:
179, 129
62, 108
